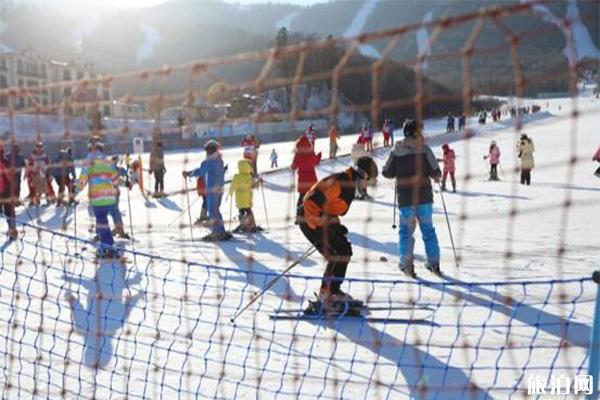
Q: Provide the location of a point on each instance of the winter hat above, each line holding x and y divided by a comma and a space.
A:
366, 168
445, 146
303, 143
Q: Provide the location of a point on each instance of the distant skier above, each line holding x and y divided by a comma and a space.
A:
101, 176
412, 164
242, 185
597, 158
304, 163
38, 178
319, 221
494, 158
462, 121
15, 164
157, 167
449, 167
525, 149
450, 124
388, 132
334, 135
6, 202
213, 171
482, 117
367, 136
274, 157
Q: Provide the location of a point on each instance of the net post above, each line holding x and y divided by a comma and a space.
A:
594, 350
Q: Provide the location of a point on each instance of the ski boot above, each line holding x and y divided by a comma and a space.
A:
334, 304
217, 237
408, 270
434, 268
13, 234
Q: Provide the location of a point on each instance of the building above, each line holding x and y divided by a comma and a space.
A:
26, 69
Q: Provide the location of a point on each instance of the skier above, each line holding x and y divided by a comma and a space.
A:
334, 135
494, 157
412, 164
319, 221
6, 201
597, 158
387, 131
157, 167
101, 176
450, 124
462, 121
311, 134
482, 117
304, 162
367, 136
251, 145
16, 164
242, 185
38, 179
64, 173
525, 149
274, 157
213, 171
449, 167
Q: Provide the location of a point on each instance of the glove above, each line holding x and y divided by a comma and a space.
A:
340, 229
185, 174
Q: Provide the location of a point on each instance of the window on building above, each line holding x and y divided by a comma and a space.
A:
3, 63
44, 73
19, 66
67, 91
66, 75
79, 75
20, 82
3, 82
3, 102
106, 110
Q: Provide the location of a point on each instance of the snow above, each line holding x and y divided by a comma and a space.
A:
180, 320
358, 24
151, 37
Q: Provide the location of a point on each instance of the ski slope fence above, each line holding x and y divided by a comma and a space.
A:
158, 324
160, 328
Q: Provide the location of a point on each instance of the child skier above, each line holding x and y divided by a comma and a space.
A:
157, 167
387, 131
449, 167
525, 149
274, 157
101, 176
212, 170
494, 157
333, 138
38, 178
319, 221
304, 162
6, 198
413, 165
242, 185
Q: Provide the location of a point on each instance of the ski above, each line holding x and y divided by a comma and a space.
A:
340, 318
366, 307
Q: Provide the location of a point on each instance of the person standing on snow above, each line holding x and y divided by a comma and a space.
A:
449, 167
212, 170
334, 135
157, 167
462, 121
251, 145
15, 164
525, 149
387, 131
319, 221
64, 173
450, 124
38, 177
274, 157
7, 202
305, 161
494, 157
241, 185
412, 164
102, 178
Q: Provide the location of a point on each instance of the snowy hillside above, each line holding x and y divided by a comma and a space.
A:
521, 291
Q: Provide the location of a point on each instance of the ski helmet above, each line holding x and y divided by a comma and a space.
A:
366, 168
211, 146
411, 128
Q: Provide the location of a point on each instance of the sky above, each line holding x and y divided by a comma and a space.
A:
106, 4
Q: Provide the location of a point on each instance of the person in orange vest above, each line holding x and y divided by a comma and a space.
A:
333, 137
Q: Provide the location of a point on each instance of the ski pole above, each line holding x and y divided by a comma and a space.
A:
230, 211
395, 203
75, 225
449, 228
502, 170
303, 257
262, 189
189, 206
131, 226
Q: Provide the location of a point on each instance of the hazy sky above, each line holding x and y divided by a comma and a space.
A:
104, 4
